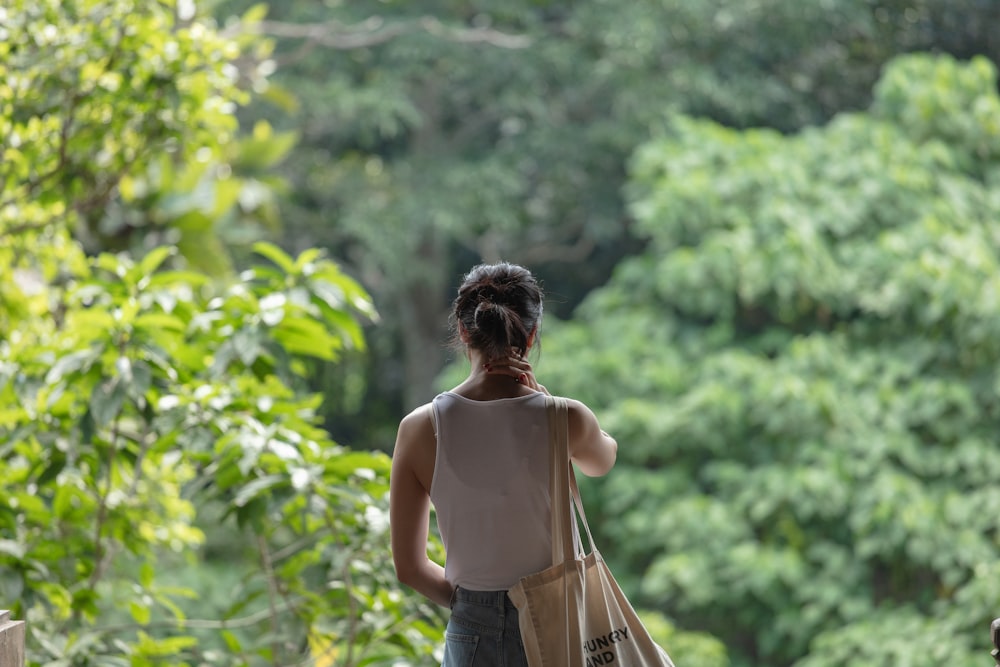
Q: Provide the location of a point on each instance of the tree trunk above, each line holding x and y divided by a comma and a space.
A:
424, 331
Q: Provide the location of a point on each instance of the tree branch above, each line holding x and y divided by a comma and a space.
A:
578, 251
272, 596
492, 249
374, 31
250, 620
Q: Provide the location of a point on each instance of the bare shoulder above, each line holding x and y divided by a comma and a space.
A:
593, 450
578, 409
582, 419
416, 447
416, 429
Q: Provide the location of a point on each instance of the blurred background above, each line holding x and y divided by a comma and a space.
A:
768, 232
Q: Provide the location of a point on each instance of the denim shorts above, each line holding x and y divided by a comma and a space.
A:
483, 631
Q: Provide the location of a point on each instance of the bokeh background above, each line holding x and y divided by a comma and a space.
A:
769, 232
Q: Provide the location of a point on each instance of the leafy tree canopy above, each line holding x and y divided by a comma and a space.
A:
439, 133
145, 401
801, 370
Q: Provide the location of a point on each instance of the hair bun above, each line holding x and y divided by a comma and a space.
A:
499, 307
488, 310
490, 293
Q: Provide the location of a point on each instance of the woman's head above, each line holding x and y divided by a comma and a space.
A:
498, 309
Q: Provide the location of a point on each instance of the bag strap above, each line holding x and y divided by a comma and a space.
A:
566, 544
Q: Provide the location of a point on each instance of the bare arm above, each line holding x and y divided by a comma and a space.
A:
409, 508
593, 450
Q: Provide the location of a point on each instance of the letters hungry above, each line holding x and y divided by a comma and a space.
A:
597, 649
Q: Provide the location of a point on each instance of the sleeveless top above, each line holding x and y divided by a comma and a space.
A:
491, 489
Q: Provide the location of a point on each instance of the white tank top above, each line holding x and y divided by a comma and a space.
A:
491, 489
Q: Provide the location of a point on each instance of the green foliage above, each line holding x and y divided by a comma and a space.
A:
691, 649
119, 122
71, 70
473, 130
160, 393
211, 208
801, 371
143, 401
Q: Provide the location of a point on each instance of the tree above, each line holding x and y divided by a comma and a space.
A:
437, 134
141, 394
801, 371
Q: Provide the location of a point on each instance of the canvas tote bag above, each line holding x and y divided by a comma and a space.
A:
574, 614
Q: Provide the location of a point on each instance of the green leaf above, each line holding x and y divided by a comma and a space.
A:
12, 548
106, 401
56, 465
162, 648
256, 487
255, 13
265, 149
140, 612
87, 427
142, 379
71, 363
252, 514
347, 327
307, 337
306, 259
232, 642
66, 501
276, 255
146, 574
154, 259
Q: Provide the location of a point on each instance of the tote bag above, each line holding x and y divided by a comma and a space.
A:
574, 614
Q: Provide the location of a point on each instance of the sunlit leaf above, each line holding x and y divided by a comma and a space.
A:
153, 260
276, 255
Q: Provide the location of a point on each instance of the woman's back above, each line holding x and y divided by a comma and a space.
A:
480, 454
490, 488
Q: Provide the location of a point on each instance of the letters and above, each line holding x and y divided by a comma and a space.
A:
597, 649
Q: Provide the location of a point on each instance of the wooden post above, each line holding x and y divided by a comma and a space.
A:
995, 636
11, 641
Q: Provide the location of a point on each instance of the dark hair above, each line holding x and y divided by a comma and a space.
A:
498, 306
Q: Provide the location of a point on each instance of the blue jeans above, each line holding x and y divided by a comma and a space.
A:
483, 631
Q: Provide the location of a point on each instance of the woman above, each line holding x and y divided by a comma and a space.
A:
479, 454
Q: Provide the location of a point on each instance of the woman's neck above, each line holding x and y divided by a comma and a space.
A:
481, 385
